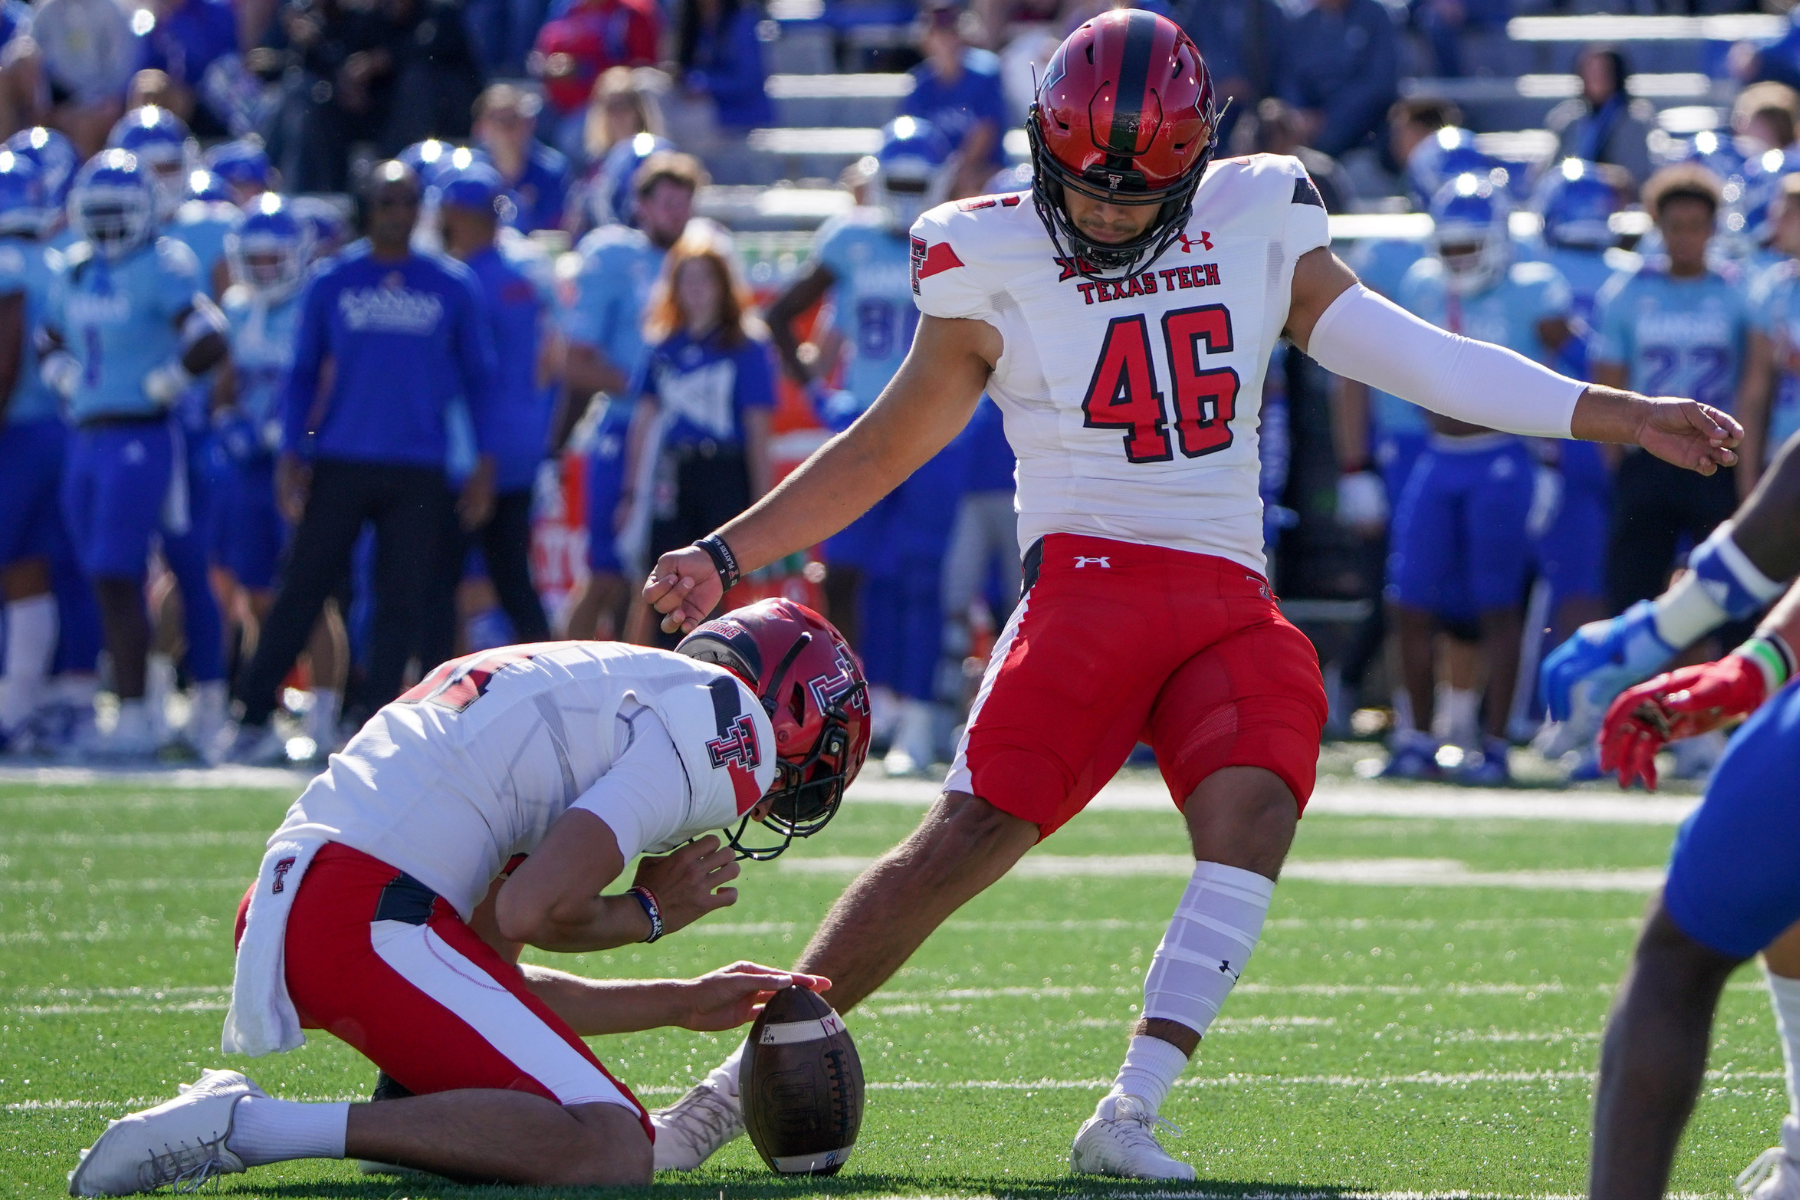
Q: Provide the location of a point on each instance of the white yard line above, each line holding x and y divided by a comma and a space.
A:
1363, 872
1334, 797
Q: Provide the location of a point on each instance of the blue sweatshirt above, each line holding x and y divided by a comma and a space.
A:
516, 306
403, 339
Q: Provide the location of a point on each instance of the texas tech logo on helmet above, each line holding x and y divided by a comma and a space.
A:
829, 691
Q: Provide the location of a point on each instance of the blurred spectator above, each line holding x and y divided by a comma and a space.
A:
74, 69
574, 50
537, 176
503, 32
721, 61
1769, 397
1412, 122
1778, 62
1445, 22
183, 39
1670, 328
604, 319
1604, 124
392, 73
603, 330
1278, 129
1767, 115
623, 126
704, 397
386, 339
1340, 65
1241, 40
957, 89
514, 289
433, 73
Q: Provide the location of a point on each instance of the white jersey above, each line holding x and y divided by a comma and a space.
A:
472, 766
1133, 406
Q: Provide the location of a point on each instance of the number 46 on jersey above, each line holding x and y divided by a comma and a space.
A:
1124, 393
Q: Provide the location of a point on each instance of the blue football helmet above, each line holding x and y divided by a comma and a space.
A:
1577, 203
472, 185
55, 156
612, 195
204, 185
326, 223
432, 157
23, 209
242, 164
1469, 233
1440, 158
164, 148
112, 204
1749, 216
270, 250
911, 174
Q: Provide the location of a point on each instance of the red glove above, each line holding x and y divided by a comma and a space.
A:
1680, 704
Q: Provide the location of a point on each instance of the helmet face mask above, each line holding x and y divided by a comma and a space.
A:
112, 205
1124, 116
1470, 234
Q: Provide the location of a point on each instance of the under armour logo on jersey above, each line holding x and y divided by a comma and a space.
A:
1204, 241
737, 747
282, 867
828, 691
1081, 560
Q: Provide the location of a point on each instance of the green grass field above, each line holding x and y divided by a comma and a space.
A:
1387, 1038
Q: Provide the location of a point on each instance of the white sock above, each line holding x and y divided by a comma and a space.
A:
1216, 926
322, 718
1784, 998
725, 1075
266, 1130
159, 685
1151, 1068
31, 626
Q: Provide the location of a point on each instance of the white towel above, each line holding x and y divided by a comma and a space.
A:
262, 1019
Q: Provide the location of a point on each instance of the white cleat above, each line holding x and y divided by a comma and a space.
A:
695, 1127
253, 746
1773, 1176
1120, 1140
181, 1142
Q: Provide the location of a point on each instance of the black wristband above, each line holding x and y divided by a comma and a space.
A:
723, 560
651, 910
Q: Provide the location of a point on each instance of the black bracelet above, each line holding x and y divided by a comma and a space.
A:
723, 560
651, 910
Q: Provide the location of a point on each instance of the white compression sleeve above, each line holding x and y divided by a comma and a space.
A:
1215, 927
1374, 341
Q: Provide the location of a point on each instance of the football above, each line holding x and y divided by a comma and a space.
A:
802, 1085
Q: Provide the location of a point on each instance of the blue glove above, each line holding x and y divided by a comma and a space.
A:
1602, 659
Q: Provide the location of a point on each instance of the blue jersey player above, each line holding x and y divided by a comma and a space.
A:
1571, 522
1731, 890
128, 326
897, 548
1459, 538
33, 441
1676, 326
167, 151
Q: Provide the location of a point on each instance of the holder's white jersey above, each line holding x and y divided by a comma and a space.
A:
473, 765
1133, 406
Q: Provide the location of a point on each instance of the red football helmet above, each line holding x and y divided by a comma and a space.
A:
811, 685
1124, 115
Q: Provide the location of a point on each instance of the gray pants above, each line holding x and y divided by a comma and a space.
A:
986, 530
